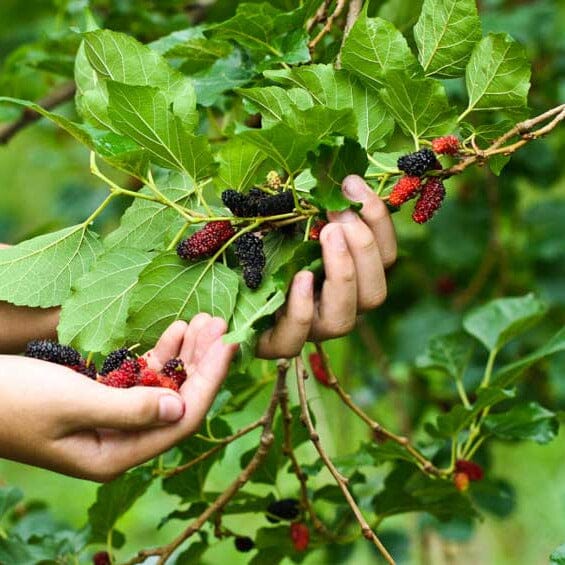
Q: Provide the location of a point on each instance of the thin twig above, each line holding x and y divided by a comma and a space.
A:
341, 481
340, 5
378, 430
266, 441
320, 16
355, 7
62, 94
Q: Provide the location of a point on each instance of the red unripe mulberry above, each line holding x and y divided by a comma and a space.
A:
316, 229
127, 375
430, 201
206, 241
300, 536
405, 189
472, 470
447, 145
318, 369
461, 481
101, 558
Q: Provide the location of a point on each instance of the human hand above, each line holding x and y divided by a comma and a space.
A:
356, 249
54, 418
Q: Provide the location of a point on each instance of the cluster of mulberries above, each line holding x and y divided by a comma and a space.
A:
257, 203
53, 352
206, 241
135, 372
251, 256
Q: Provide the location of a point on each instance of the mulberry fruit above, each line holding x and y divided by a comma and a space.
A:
318, 369
115, 359
430, 201
447, 145
249, 251
418, 163
127, 375
206, 241
53, 352
235, 201
101, 558
149, 377
461, 481
284, 509
167, 382
84, 369
405, 189
275, 205
316, 230
274, 180
175, 370
244, 544
253, 277
473, 471
300, 536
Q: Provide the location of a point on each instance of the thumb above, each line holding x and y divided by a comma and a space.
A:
135, 408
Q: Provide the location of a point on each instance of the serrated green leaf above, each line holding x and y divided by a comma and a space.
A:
450, 353
499, 321
170, 289
114, 499
94, 317
40, 272
338, 89
144, 114
373, 48
498, 76
145, 225
524, 422
199, 52
239, 162
420, 106
446, 33
120, 58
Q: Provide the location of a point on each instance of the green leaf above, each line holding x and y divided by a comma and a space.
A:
558, 556
338, 89
499, 321
526, 421
94, 317
496, 496
199, 52
420, 106
239, 162
498, 76
120, 58
445, 34
146, 224
114, 499
170, 289
9, 497
507, 375
374, 48
450, 353
144, 114
41, 271
330, 167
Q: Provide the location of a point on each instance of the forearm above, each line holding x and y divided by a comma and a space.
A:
18, 325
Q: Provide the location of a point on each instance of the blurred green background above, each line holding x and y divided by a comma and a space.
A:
495, 236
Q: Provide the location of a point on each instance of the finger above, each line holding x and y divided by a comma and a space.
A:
291, 331
215, 328
168, 346
136, 408
371, 281
198, 323
374, 212
337, 309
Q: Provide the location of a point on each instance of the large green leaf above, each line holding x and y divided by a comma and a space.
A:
144, 114
525, 421
373, 48
94, 317
498, 76
118, 57
41, 271
445, 34
340, 89
499, 321
239, 162
420, 106
170, 289
450, 353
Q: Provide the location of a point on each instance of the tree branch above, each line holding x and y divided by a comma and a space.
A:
341, 481
340, 5
62, 94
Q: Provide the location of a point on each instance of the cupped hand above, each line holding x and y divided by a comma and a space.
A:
54, 418
356, 249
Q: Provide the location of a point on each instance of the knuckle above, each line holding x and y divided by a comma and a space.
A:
339, 328
143, 411
347, 273
374, 299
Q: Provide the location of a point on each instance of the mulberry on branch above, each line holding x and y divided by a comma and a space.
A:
235, 201
275, 205
447, 145
405, 189
430, 201
418, 163
206, 241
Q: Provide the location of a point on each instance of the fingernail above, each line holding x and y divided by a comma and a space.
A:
171, 408
304, 285
337, 241
216, 327
343, 217
355, 188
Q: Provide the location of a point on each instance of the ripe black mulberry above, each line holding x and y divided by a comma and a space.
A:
418, 163
53, 352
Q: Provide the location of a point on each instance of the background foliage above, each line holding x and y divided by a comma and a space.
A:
496, 236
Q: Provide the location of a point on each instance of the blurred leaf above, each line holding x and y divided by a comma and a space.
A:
501, 320
9, 497
496, 496
558, 556
450, 353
